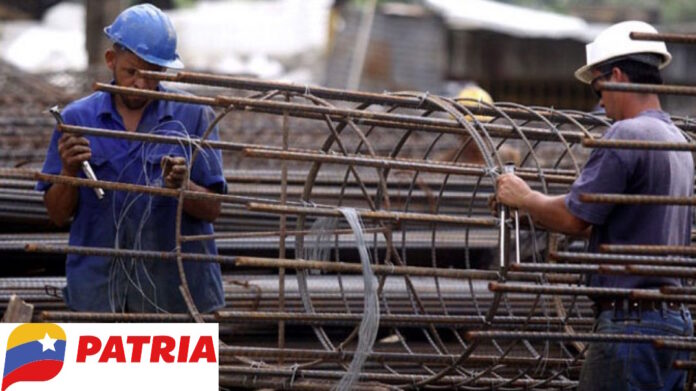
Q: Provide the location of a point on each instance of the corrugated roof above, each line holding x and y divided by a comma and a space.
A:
511, 19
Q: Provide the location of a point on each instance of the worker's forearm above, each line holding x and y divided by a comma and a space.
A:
61, 202
207, 210
551, 212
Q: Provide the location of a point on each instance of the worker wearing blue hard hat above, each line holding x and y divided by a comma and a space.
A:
147, 32
143, 39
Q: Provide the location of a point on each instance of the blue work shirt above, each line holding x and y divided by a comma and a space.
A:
646, 172
134, 220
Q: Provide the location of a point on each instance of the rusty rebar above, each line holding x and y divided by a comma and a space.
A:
353, 96
120, 186
637, 199
678, 290
283, 230
653, 295
662, 271
561, 268
684, 365
370, 118
112, 252
639, 144
390, 320
389, 357
648, 249
397, 378
383, 118
388, 270
261, 234
158, 138
238, 382
102, 317
646, 88
675, 345
344, 267
664, 37
559, 290
394, 163
376, 215
620, 259
584, 337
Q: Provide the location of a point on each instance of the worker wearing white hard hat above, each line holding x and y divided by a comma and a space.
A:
615, 43
614, 57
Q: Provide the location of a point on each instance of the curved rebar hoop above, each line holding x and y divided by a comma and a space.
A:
589, 120
483, 147
553, 128
558, 303
184, 288
391, 252
522, 136
486, 143
431, 334
333, 138
523, 373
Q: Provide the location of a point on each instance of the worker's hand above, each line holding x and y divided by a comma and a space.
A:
174, 171
512, 191
73, 150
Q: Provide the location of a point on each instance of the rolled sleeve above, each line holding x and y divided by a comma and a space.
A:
207, 169
604, 173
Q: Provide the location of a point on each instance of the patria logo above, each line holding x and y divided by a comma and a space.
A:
35, 352
133, 356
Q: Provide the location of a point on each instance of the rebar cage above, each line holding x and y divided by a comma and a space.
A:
456, 309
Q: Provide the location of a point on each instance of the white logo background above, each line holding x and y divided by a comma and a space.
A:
93, 375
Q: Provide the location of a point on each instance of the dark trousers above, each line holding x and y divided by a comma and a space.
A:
615, 366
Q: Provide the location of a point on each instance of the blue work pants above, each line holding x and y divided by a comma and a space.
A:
619, 366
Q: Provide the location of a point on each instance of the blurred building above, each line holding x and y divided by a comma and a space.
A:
24, 9
515, 53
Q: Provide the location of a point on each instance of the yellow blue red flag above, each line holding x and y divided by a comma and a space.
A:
35, 352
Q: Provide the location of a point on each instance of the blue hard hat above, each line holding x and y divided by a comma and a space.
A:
147, 32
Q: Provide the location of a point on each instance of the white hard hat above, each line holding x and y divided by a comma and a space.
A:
615, 42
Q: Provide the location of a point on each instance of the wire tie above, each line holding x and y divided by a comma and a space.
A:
308, 203
294, 369
491, 171
422, 98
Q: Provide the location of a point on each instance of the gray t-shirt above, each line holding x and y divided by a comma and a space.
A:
629, 171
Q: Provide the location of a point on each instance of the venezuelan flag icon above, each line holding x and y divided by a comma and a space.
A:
35, 352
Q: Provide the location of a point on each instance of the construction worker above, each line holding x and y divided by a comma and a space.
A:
473, 96
143, 39
614, 56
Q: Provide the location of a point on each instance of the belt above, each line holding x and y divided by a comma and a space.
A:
636, 305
